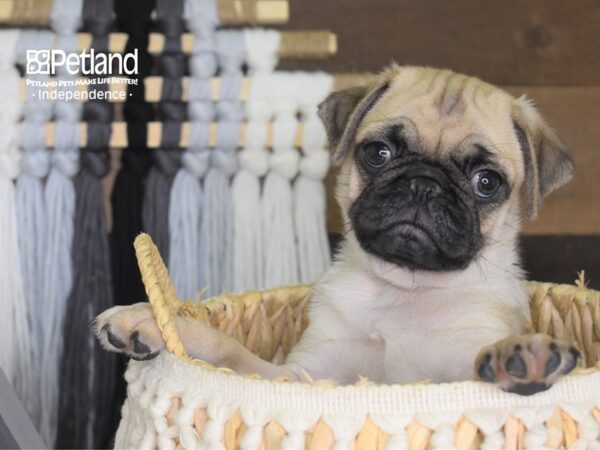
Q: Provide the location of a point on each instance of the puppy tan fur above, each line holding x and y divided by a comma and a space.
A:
436, 168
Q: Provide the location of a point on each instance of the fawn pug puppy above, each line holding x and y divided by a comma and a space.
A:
435, 170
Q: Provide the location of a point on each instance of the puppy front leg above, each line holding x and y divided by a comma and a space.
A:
526, 364
132, 330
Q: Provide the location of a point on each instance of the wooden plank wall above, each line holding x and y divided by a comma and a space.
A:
506, 42
548, 49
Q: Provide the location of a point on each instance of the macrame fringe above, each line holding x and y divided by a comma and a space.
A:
217, 228
87, 372
171, 112
281, 264
248, 260
187, 198
16, 354
32, 217
309, 192
60, 202
185, 209
58, 275
216, 233
157, 192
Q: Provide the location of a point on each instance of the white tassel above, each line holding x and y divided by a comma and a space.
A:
281, 265
248, 261
187, 198
185, 219
309, 191
31, 212
60, 203
15, 357
33, 229
217, 226
217, 229
58, 275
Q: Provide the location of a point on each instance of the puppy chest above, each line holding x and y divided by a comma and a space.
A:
434, 346
434, 356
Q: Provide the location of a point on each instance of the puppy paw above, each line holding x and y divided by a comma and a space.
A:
526, 364
130, 330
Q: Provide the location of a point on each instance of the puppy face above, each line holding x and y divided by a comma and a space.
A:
435, 165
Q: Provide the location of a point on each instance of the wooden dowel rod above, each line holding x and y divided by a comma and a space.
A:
19, 12
293, 44
118, 138
154, 88
240, 12
231, 12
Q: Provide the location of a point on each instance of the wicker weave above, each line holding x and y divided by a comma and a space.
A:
175, 401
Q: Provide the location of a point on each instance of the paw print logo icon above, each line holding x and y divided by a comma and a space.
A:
38, 62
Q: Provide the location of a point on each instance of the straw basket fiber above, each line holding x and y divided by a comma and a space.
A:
176, 402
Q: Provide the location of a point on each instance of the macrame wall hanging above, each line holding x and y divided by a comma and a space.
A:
32, 215
171, 112
248, 256
16, 354
87, 374
187, 197
60, 203
225, 218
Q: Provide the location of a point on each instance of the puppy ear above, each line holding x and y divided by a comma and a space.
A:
548, 164
342, 113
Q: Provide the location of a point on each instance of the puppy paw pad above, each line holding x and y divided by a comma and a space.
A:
515, 364
113, 339
485, 370
554, 360
138, 346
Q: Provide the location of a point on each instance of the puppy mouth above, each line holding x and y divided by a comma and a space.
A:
413, 232
413, 246
408, 244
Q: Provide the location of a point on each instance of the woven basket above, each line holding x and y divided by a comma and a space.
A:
176, 402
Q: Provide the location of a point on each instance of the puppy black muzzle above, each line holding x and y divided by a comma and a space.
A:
419, 215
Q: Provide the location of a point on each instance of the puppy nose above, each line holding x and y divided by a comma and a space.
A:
423, 188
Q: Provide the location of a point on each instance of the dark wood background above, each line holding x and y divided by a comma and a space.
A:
548, 49
506, 42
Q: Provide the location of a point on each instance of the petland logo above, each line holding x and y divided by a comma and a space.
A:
88, 62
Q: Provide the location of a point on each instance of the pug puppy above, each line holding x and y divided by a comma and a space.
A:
435, 169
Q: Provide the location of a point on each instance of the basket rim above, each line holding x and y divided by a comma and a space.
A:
165, 303
581, 387
577, 292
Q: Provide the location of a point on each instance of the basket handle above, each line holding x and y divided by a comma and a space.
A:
160, 291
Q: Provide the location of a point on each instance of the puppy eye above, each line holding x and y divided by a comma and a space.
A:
376, 155
486, 183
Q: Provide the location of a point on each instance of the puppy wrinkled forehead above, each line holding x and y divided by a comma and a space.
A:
443, 110
443, 91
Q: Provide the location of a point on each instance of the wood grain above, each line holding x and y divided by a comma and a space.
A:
574, 113
507, 42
